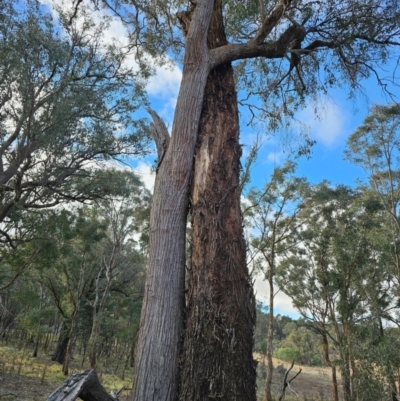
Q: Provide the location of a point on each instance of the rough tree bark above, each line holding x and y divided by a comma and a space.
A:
156, 366
217, 359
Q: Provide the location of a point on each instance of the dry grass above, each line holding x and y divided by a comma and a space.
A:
313, 384
24, 378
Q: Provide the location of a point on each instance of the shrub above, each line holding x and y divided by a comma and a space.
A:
288, 354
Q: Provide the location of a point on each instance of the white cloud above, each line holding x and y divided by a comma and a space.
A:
165, 83
142, 169
146, 174
281, 301
329, 125
113, 33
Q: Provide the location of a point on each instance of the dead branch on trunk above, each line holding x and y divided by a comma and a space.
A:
84, 385
160, 135
286, 383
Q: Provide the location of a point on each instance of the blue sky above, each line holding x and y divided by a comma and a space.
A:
338, 119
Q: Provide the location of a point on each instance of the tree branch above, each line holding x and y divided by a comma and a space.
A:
25, 266
252, 49
159, 133
74, 14
270, 22
286, 383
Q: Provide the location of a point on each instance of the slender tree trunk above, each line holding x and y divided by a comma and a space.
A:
71, 336
328, 361
217, 361
132, 354
94, 338
156, 365
62, 343
398, 380
37, 342
346, 375
68, 354
93, 348
270, 365
46, 342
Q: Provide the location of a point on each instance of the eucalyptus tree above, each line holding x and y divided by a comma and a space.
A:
333, 278
89, 256
66, 104
375, 146
122, 258
77, 239
284, 51
273, 215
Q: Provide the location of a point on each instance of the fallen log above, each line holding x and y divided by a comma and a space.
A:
84, 385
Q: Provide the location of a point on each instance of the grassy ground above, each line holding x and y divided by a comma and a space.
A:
313, 384
24, 378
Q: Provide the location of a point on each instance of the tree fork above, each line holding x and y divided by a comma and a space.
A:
217, 360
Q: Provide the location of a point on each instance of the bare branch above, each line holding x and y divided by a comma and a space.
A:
159, 133
286, 383
73, 16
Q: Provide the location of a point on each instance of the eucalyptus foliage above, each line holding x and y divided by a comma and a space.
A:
315, 46
86, 278
67, 103
339, 279
375, 146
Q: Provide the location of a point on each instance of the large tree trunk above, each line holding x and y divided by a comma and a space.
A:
217, 361
156, 365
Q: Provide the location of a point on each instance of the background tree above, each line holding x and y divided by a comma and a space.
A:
89, 267
300, 344
375, 146
272, 215
120, 262
332, 276
66, 103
